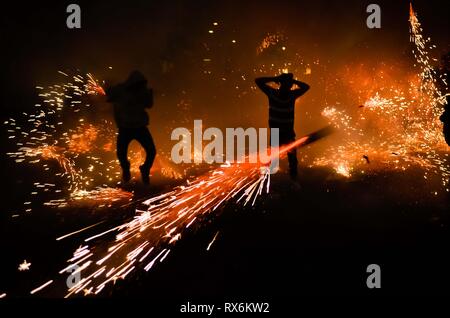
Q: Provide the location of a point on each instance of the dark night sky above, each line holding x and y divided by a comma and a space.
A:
147, 34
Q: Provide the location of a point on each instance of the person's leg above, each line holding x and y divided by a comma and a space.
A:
144, 137
123, 140
293, 162
447, 133
288, 137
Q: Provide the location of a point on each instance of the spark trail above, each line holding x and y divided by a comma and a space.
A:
147, 239
59, 130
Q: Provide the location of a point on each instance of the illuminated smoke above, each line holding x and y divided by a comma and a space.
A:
398, 126
147, 239
59, 130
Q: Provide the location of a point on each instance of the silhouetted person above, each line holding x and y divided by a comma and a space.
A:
445, 117
130, 100
282, 109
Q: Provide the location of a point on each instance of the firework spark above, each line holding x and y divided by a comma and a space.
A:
25, 266
84, 151
48, 135
269, 41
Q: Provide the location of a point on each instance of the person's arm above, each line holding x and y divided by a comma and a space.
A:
262, 82
302, 88
148, 98
111, 92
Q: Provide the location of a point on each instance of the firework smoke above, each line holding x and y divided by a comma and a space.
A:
59, 131
398, 127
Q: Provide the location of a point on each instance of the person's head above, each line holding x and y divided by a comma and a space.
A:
286, 81
136, 79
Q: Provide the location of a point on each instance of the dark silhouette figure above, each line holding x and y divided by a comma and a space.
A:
282, 109
445, 117
130, 100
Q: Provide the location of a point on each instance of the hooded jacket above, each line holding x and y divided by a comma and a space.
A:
130, 99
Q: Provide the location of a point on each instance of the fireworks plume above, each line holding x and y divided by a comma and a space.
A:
58, 131
398, 127
161, 221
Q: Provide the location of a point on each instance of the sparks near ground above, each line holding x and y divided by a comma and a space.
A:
25, 266
394, 125
398, 126
147, 239
84, 151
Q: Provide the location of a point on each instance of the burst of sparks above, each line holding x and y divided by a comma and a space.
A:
48, 134
146, 239
93, 86
398, 126
343, 170
102, 194
161, 221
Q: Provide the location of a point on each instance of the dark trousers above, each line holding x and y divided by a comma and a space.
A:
143, 136
286, 137
445, 118
447, 133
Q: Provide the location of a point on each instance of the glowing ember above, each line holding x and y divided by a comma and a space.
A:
25, 266
93, 87
342, 169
